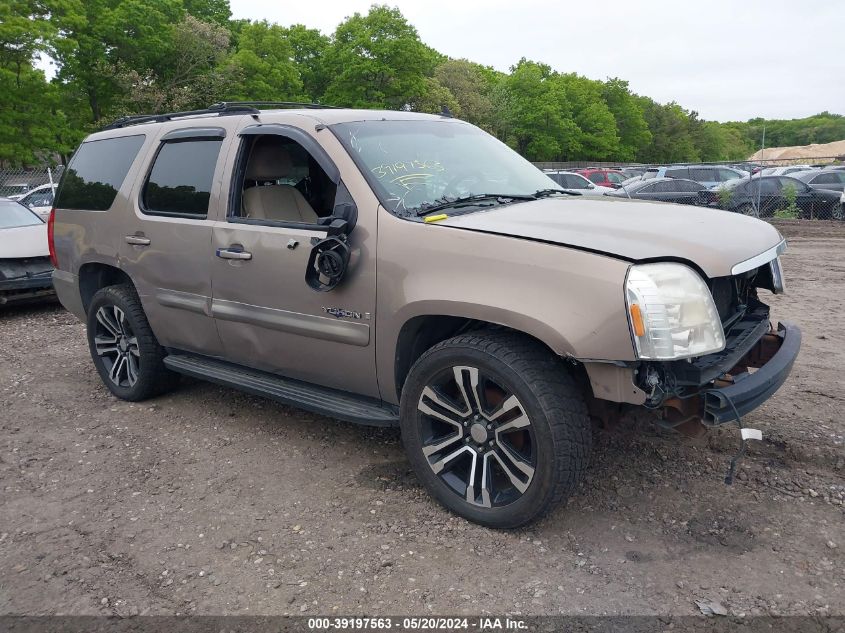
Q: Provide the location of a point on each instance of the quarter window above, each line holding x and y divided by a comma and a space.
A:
180, 180
96, 172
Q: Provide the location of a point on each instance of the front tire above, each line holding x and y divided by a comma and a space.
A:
124, 349
495, 427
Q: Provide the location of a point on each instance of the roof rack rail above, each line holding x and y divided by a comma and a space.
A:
221, 108
273, 104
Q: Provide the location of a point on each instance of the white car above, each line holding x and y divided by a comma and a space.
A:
25, 269
576, 183
40, 200
784, 171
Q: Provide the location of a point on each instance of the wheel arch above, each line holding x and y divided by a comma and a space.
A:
94, 276
421, 332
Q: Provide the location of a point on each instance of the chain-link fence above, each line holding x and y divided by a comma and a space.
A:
784, 188
18, 183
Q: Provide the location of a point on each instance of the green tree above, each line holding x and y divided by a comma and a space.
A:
309, 46
597, 137
533, 114
627, 110
434, 98
377, 60
471, 89
93, 34
264, 63
215, 11
192, 78
671, 141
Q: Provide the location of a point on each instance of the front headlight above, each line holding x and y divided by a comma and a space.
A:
671, 312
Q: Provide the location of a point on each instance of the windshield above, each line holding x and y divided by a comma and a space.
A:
415, 164
13, 215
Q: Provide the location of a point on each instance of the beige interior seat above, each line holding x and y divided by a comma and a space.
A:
269, 161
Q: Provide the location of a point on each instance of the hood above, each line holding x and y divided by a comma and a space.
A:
24, 241
713, 240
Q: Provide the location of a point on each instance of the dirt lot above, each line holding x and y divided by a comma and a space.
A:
208, 501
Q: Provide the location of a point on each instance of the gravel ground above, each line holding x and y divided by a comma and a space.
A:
208, 501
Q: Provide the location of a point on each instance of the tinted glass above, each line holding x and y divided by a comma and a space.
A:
13, 215
688, 186
180, 180
558, 178
96, 172
38, 199
596, 177
799, 186
703, 174
831, 178
649, 188
677, 172
769, 186
571, 181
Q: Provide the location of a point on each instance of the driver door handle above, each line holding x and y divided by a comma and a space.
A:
137, 240
232, 253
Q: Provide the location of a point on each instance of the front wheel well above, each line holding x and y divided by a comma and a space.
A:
421, 333
95, 276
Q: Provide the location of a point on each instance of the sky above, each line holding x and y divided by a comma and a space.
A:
727, 60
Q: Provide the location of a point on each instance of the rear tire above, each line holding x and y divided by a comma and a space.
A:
495, 427
124, 349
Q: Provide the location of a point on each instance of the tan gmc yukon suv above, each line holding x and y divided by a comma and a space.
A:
393, 268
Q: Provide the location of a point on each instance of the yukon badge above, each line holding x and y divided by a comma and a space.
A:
340, 313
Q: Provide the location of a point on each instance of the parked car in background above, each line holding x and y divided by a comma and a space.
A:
784, 170
601, 176
25, 269
630, 181
676, 190
630, 172
40, 200
769, 191
832, 179
576, 183
14, 190
708, 175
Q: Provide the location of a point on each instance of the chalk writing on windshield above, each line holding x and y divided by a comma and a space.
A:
393, 169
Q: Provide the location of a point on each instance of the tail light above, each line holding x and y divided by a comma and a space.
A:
51, 244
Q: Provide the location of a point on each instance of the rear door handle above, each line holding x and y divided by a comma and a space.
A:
231, 253
137, 240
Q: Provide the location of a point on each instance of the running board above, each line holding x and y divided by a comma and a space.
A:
322, 400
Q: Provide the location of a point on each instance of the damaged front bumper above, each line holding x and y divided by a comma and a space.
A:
772, 357
722, 387
25, 279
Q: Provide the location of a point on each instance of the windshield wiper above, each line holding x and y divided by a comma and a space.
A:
501, 198
544, 193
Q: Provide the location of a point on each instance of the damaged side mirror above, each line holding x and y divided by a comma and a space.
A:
329, 258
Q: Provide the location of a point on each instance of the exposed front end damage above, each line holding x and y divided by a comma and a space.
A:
25, 279
692, 394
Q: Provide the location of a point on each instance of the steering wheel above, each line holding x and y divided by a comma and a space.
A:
473, 175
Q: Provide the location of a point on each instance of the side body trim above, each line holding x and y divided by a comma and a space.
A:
327, 329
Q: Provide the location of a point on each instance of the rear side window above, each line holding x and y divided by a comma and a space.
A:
682, 172
96, 172
180, 180
703, 174
596, 177
832, 178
